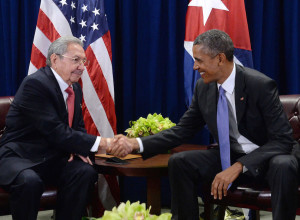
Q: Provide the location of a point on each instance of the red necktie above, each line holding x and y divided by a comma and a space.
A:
70, 104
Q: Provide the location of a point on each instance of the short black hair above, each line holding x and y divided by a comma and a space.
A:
215, 42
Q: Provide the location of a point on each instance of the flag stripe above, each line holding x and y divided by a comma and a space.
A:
41, 41
102, 90
57, 18
188, 46
31, 68
104, 60
95, 107
107, 42
37, 58
46, 26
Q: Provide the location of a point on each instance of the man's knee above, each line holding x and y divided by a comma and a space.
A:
176, 160
28, 180
88, 172
283, 168
286, 163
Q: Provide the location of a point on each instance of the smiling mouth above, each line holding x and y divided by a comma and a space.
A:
201, 73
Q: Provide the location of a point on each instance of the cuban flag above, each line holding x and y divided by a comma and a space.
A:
228, 16
86, 20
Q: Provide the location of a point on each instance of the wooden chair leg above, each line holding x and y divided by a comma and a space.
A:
221, 212
208, 211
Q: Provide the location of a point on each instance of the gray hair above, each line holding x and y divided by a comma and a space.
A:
60, 46
215, 42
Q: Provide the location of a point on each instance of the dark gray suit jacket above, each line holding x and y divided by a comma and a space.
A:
260, 119
37, 126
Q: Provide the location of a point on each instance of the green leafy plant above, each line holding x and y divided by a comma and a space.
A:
148, 126
134, 211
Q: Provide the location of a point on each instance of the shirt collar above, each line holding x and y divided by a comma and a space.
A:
62, 84
229, 84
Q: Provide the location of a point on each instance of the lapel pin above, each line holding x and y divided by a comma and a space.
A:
242, 98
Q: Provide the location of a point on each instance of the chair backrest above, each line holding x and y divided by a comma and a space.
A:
5, 102
291, 105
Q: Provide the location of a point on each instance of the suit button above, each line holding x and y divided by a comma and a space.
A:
257, 170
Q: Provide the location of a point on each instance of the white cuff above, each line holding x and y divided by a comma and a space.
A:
140, 145
96, 144
245, 169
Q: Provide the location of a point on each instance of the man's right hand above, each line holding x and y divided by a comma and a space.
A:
104, 144
121, 146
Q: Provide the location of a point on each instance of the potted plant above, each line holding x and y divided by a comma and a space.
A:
148, 126
134, 211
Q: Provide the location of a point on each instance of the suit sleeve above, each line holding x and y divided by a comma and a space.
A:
279, 131
191, 122
39, 105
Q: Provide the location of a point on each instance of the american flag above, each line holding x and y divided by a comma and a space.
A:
86, 20
226, 15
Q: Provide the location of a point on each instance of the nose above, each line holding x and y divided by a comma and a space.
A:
81, 66
196, 66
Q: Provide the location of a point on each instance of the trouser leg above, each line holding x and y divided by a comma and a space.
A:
283, 180
76, 183
25, 193
186, 170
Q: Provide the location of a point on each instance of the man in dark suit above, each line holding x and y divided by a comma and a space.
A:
45, 140
260, 138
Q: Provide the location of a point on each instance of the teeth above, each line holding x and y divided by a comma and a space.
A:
201, 73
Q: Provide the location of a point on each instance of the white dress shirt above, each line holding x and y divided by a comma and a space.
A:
228, 85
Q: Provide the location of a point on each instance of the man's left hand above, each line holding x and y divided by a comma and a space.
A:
222, 180
84, 159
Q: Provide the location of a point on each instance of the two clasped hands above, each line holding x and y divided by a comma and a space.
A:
120, 145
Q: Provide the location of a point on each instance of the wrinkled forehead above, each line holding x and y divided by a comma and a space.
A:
75, 50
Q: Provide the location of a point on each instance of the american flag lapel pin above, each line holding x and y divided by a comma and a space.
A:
242, 98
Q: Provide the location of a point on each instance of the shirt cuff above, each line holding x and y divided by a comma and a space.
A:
96, 144
245, 169
140, 145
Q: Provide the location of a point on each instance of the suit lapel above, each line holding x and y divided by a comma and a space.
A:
77, 104
212, 97
58, 94
240, 95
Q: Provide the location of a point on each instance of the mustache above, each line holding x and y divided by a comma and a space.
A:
78, 72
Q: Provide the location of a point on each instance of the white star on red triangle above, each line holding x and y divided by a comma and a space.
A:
207, 6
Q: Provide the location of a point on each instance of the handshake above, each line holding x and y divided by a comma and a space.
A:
119, 145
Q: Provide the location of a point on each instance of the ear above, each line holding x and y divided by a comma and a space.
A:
54, 59
222, 58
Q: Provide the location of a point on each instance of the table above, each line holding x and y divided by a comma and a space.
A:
153, 169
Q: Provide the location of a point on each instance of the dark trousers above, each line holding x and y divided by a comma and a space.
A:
75, 181
189, 169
